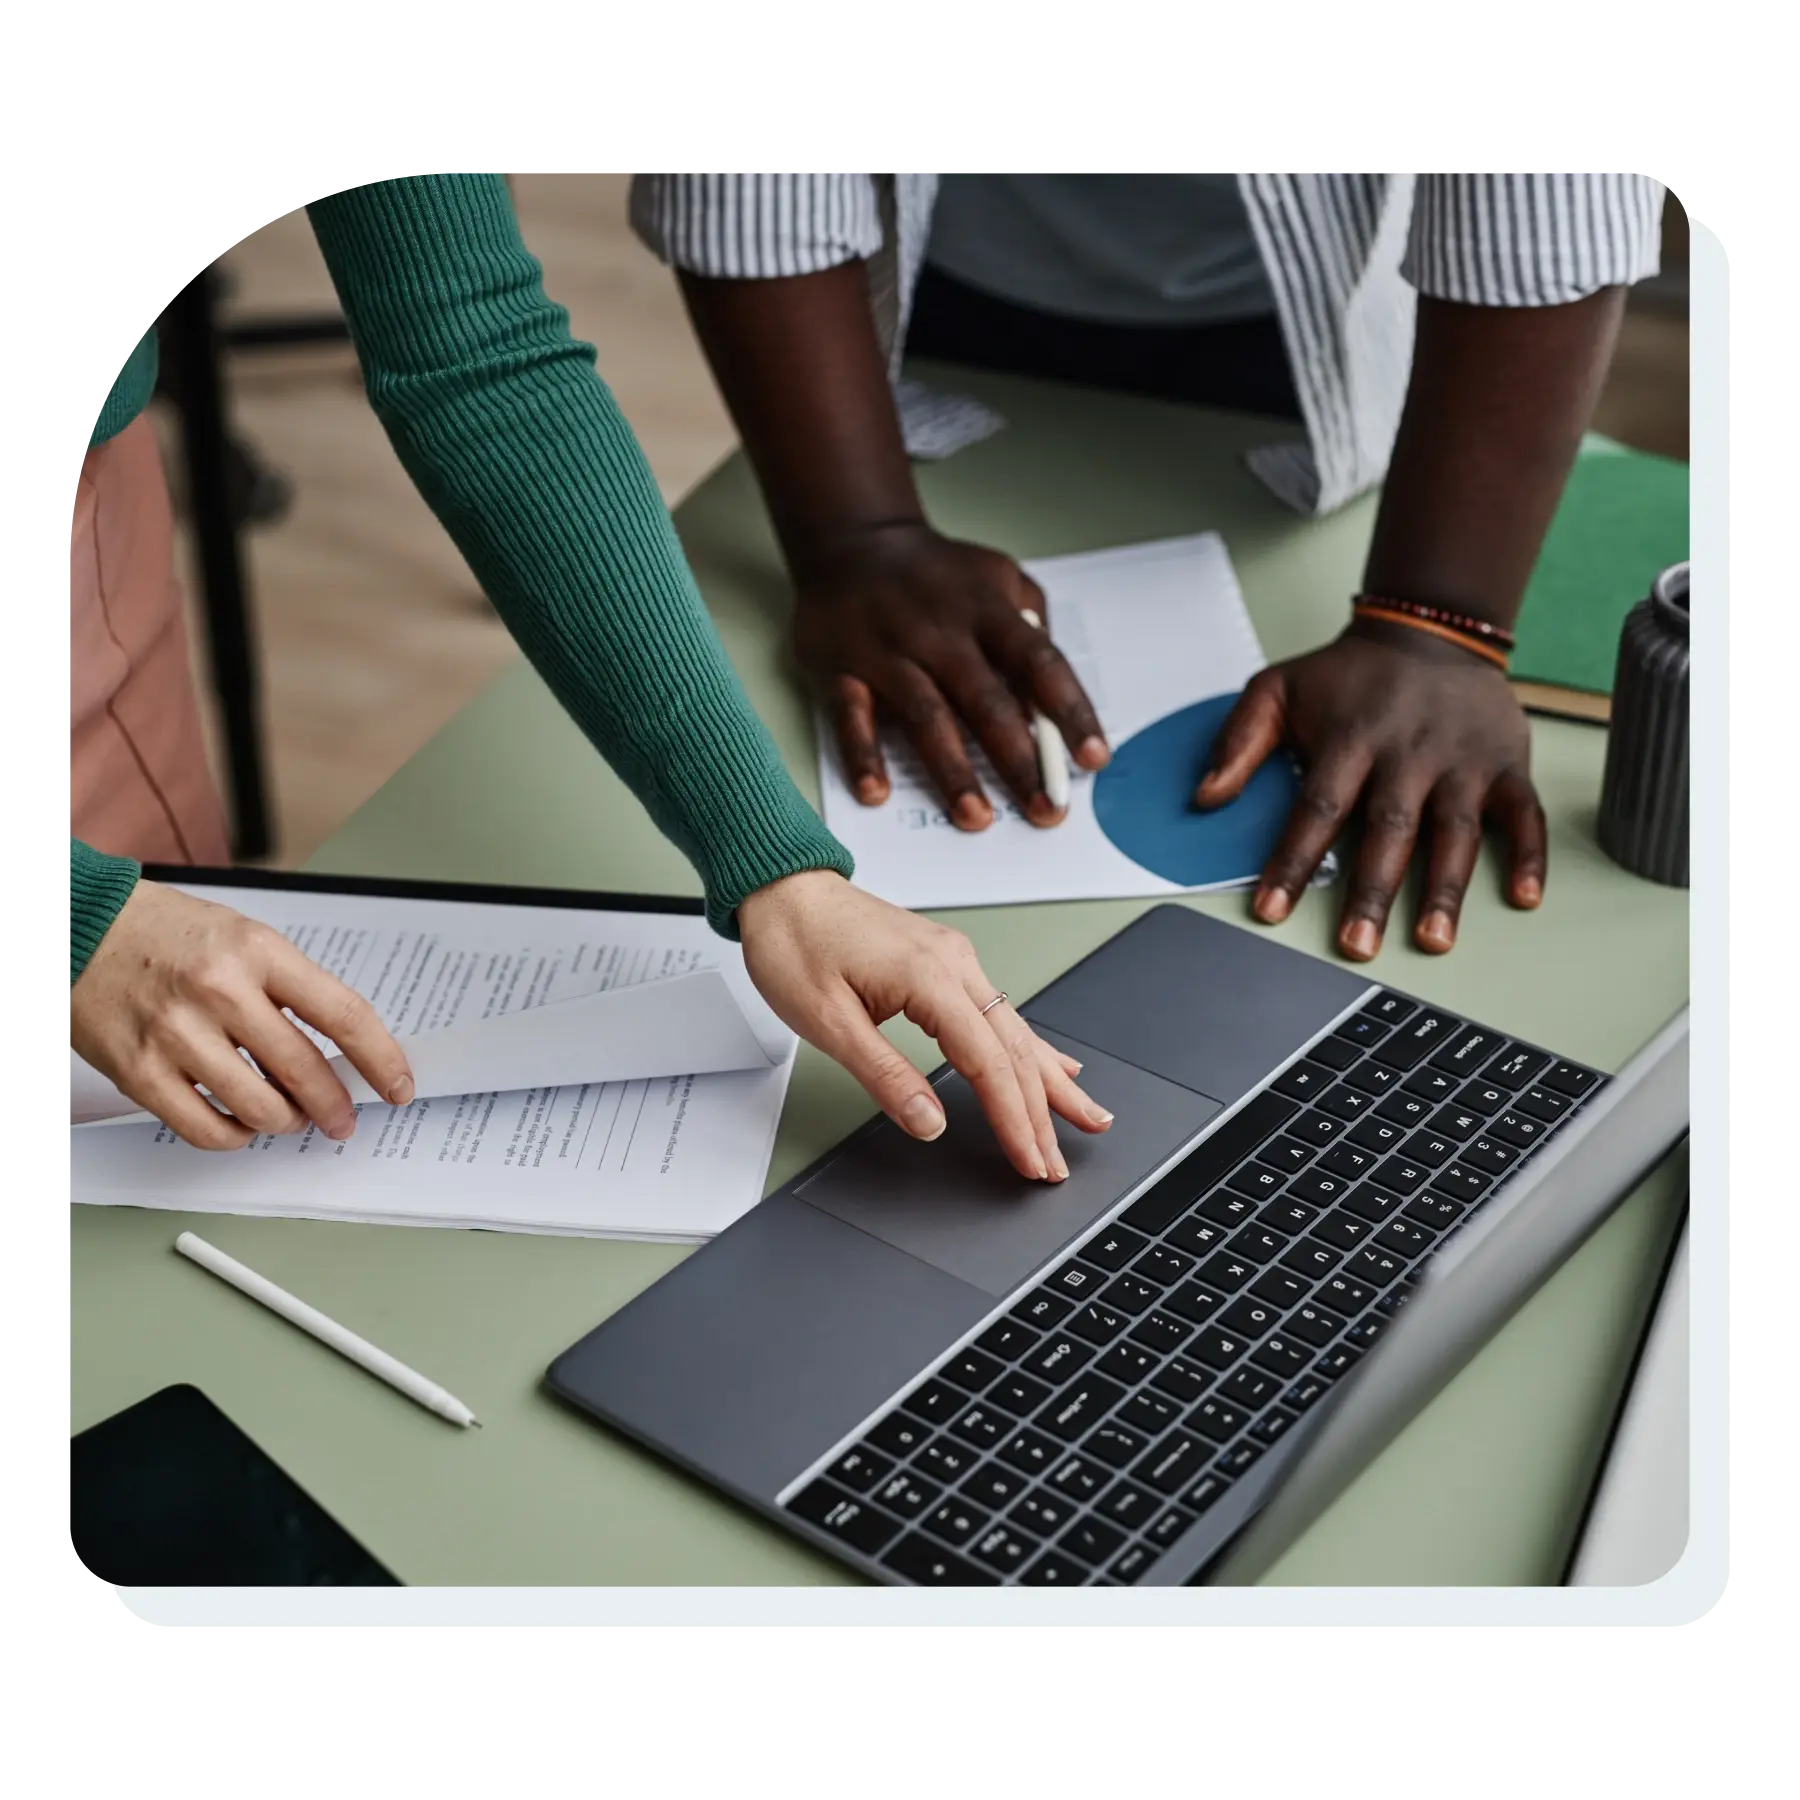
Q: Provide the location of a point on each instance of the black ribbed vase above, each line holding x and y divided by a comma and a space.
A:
1644, 792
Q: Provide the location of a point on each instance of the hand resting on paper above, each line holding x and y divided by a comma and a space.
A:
177, 984
835, 962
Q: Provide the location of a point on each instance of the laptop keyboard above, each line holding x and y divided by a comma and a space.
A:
1079, 1436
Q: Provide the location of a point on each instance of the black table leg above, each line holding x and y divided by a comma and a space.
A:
193, 341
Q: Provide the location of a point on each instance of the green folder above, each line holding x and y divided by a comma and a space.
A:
1622, 521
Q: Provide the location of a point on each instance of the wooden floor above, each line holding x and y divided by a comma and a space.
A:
372, 631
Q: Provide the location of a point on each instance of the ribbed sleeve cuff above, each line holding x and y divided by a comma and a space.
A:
98, 887
776, 845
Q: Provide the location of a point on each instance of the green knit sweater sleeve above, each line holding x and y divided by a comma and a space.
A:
498, 416
98, 887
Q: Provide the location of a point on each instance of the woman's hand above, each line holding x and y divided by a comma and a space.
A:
1432, 741
932, 629
835, 962
178, 984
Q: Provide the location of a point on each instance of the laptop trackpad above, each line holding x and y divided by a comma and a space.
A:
958, 1205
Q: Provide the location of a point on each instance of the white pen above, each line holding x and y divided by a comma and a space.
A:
1053, 758
396, 1374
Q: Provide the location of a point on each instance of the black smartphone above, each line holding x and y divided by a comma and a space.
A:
170, 1493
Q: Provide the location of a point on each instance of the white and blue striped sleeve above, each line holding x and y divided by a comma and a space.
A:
1531, 240
757, 226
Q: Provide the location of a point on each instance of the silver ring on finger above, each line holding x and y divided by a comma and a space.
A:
998, 1000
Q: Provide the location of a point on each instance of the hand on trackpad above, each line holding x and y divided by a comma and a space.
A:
957, 1204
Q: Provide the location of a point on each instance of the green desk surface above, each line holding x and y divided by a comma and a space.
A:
1485, 1487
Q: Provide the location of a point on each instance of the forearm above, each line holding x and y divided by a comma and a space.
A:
498, 416
1495, 411
799, 364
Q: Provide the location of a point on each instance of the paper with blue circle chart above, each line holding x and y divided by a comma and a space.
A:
1160, 638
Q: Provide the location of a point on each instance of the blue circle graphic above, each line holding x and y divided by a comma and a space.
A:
1144, 802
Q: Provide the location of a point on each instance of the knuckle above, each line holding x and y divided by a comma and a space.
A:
1320, 803
1370, 899
1392, 816
1460, 821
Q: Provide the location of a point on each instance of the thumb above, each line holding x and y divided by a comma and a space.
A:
848, 1035
1251, 732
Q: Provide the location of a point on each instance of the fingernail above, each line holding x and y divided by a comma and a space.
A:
1058, 1167
1100, 1115
1043, 1174
1040, 812
1076, 1070
1092, 753
1530, 890
1273, 905
871, 790
1436, 931
923, 1117
339, 1132
1361, 940
973, 814
401, 1093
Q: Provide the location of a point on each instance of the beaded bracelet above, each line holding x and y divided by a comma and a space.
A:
1490, 642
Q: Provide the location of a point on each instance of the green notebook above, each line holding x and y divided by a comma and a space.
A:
1622, 521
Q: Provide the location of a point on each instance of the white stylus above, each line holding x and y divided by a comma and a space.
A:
1053, 758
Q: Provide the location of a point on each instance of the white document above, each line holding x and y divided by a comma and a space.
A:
472, 987
1149, 629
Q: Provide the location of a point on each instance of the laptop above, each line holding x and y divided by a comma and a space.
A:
944, 1375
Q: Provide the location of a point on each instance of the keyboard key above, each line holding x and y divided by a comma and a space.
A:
1149, 1412
1468, 1052
1056, 1359
1132, 1562
1431, 1084
1317, 1189
1362, 1031
1240, 1136
1304, 1081
1343, 1293
1173, 1463
1338, 1361
1417, 1039
898, 1435
1003, 1550
1281, 1287
993, 1485
926, 1563
1042, 1512
1172, 1522
1334, 1052
1342, 1230
906, 1494
1406, 1238
1521, 1132
1128, 1363
1115, 1445
1042, 1309
1239, 1457
936, 1402
1224, 1271
1345, 1102
859, 1469
1193, 1302
955, 1521
972, 1369
1366, 1330
1272, 1426
1409, 1110
1540, 1103
844, 1516
1054, 1569
1007, 1339
1097, 1323
1218, 1419
1311, 1258
1076, 1281
982, 1426
1314, 1325
1183, 1380
1456, 1122
1515, 1067
1130, 1294
1224, 1209
1256, 1181
1347, 1160
1484, 1098
1249, 1317
1392, 1303
1163, 1266
1372, 1203
1571, 1079
1161, 1334
1390, 1009
1020, 1394
1091, 1540
1370, 1264
1290, 1216
1030, 1452
1220, 1348
1489, 1157
1316, 1127
1195, 1237
1466, 1185
1114, 1247
1381, 1135
1429, 1148
1286, 1154
1249, 1387
1083, 1403
1130, 1505
946, 1459
1372, 1078
1438, 1211
1305, 1391
1079, 1478
1402, 1176
1281, 1355
1258, 1243
1203, 1493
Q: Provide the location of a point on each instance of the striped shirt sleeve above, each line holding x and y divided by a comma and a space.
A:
1531, 240
757, 226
